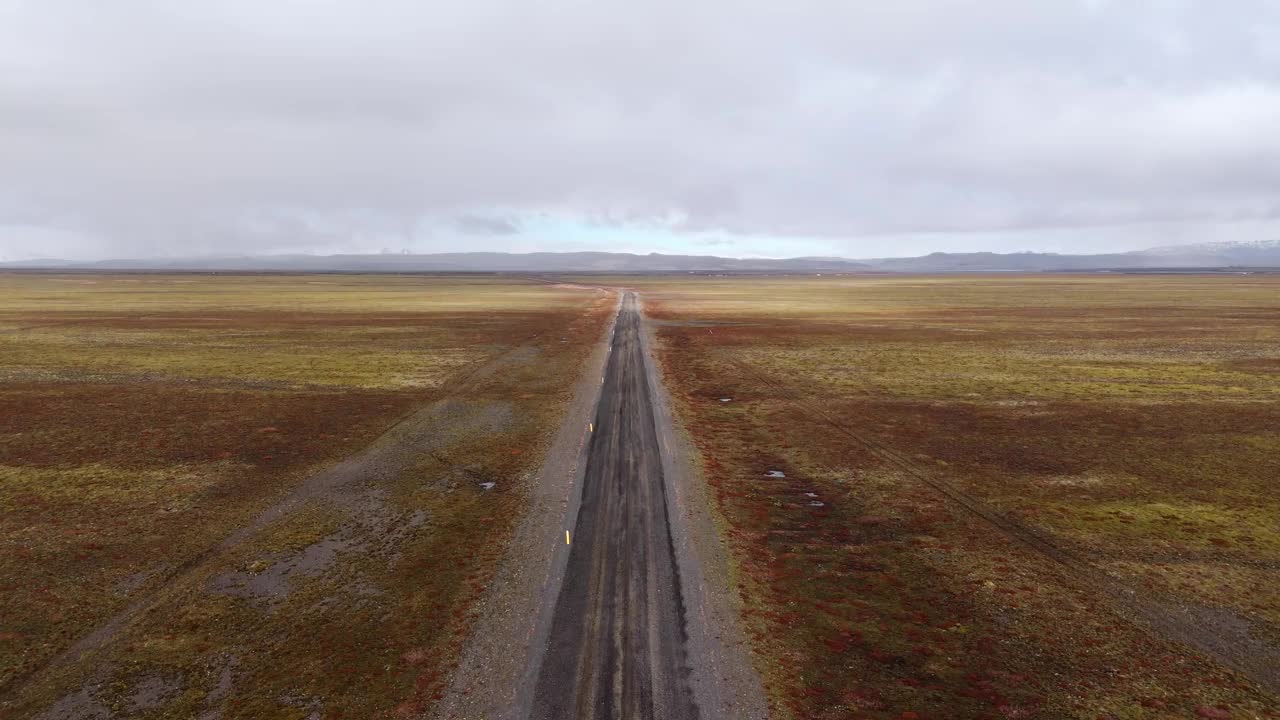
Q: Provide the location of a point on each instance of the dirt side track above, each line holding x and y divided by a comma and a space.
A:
418, 434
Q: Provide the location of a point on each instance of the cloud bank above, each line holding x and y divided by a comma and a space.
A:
145, 127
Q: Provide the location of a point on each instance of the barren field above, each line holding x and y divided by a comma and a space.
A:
993, 497
177, 536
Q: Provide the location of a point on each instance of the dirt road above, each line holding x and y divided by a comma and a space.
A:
616, 646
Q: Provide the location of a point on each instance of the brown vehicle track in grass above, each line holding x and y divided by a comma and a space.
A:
351, 592
973, 474
391, 454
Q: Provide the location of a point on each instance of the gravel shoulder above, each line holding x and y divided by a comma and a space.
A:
496, 673
724, 681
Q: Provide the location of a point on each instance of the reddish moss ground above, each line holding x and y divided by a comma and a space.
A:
145, 418
1133, 422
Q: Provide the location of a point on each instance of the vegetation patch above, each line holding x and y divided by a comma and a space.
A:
1127, 420
149, 420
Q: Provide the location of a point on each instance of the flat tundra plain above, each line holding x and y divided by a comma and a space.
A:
841, 497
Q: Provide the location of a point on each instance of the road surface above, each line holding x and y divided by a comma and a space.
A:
616, 647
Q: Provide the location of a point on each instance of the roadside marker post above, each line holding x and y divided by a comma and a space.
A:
566, 537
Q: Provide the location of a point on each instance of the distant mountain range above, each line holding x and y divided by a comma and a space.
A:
1224, 255
1228, 255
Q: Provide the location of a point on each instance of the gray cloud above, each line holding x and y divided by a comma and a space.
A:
147, 127
487, 225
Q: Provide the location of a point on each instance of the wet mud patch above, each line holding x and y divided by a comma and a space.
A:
1247, 645
311, 707
104, 699
270, 578
152, 692
225, 669
371, 527
83, 704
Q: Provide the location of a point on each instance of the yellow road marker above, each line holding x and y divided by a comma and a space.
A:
566, 537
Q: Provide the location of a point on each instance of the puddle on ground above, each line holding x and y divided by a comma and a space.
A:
816, 503
726, 399
313, 706
226, 679
153, 692
373, 527
775, 474
1220, 631
488, 485
83, 704
144, 696
811, 494
272, 582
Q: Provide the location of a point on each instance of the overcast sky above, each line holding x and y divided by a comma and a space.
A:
791, 127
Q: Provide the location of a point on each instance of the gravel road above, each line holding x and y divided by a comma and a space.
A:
634, 617
616, 647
